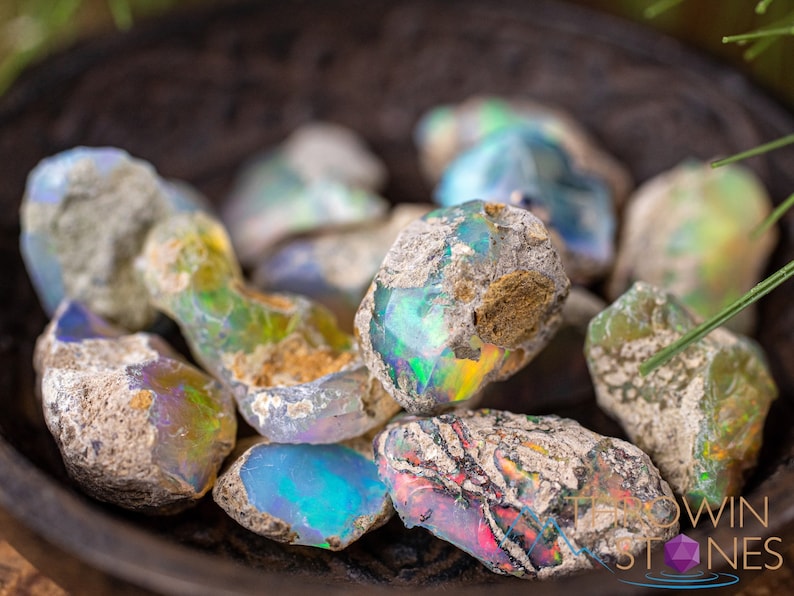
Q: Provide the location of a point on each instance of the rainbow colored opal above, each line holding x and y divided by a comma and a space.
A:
689, 232
321, 176
446, 131
136, 425
523, 167
68, 255
534, 497
467, 294
295, 375
325, 496
701, 416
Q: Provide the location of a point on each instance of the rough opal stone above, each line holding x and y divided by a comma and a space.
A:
321, 176
521, 167
701, 416
326, 496
295, 375
534, 497
448, 130
68, 254
335, 268
136, 425
467, 295
688, 231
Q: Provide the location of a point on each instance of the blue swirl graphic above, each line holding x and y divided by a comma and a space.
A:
692, 581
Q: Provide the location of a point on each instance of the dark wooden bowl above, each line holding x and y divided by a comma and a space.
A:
197, 93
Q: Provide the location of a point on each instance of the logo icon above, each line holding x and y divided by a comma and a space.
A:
682, 553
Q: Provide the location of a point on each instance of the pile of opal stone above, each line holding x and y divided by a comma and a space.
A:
357, 311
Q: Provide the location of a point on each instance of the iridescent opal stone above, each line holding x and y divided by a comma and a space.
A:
446, 131
336, 267
296, 376
68, 255
522, 167
688, 231
467, 294
534, 497
136, 425
701, 416
325, 496
321, 176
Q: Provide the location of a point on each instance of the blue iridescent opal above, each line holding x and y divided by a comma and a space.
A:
315, 495
76, 323
523, 167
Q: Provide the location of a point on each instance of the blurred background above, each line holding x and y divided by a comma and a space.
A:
30, 29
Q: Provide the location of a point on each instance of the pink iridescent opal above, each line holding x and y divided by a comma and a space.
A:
519, 492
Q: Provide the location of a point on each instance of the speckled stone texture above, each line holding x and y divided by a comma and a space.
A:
136, 425
467, 295
689, 232
84, 217
534, 497
326, 496
701, 416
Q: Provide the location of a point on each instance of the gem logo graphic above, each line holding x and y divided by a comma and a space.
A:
682, 553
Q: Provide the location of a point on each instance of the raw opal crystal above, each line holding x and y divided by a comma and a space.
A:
688, 231
68, 255
321, 176
446, 131
335, 268
136, 425
521, 167
326, 496
701, 416
534, 497
467, 295
295, 375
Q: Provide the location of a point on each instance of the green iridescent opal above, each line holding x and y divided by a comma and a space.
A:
701, 416
688, 231
258, 344
466, 295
